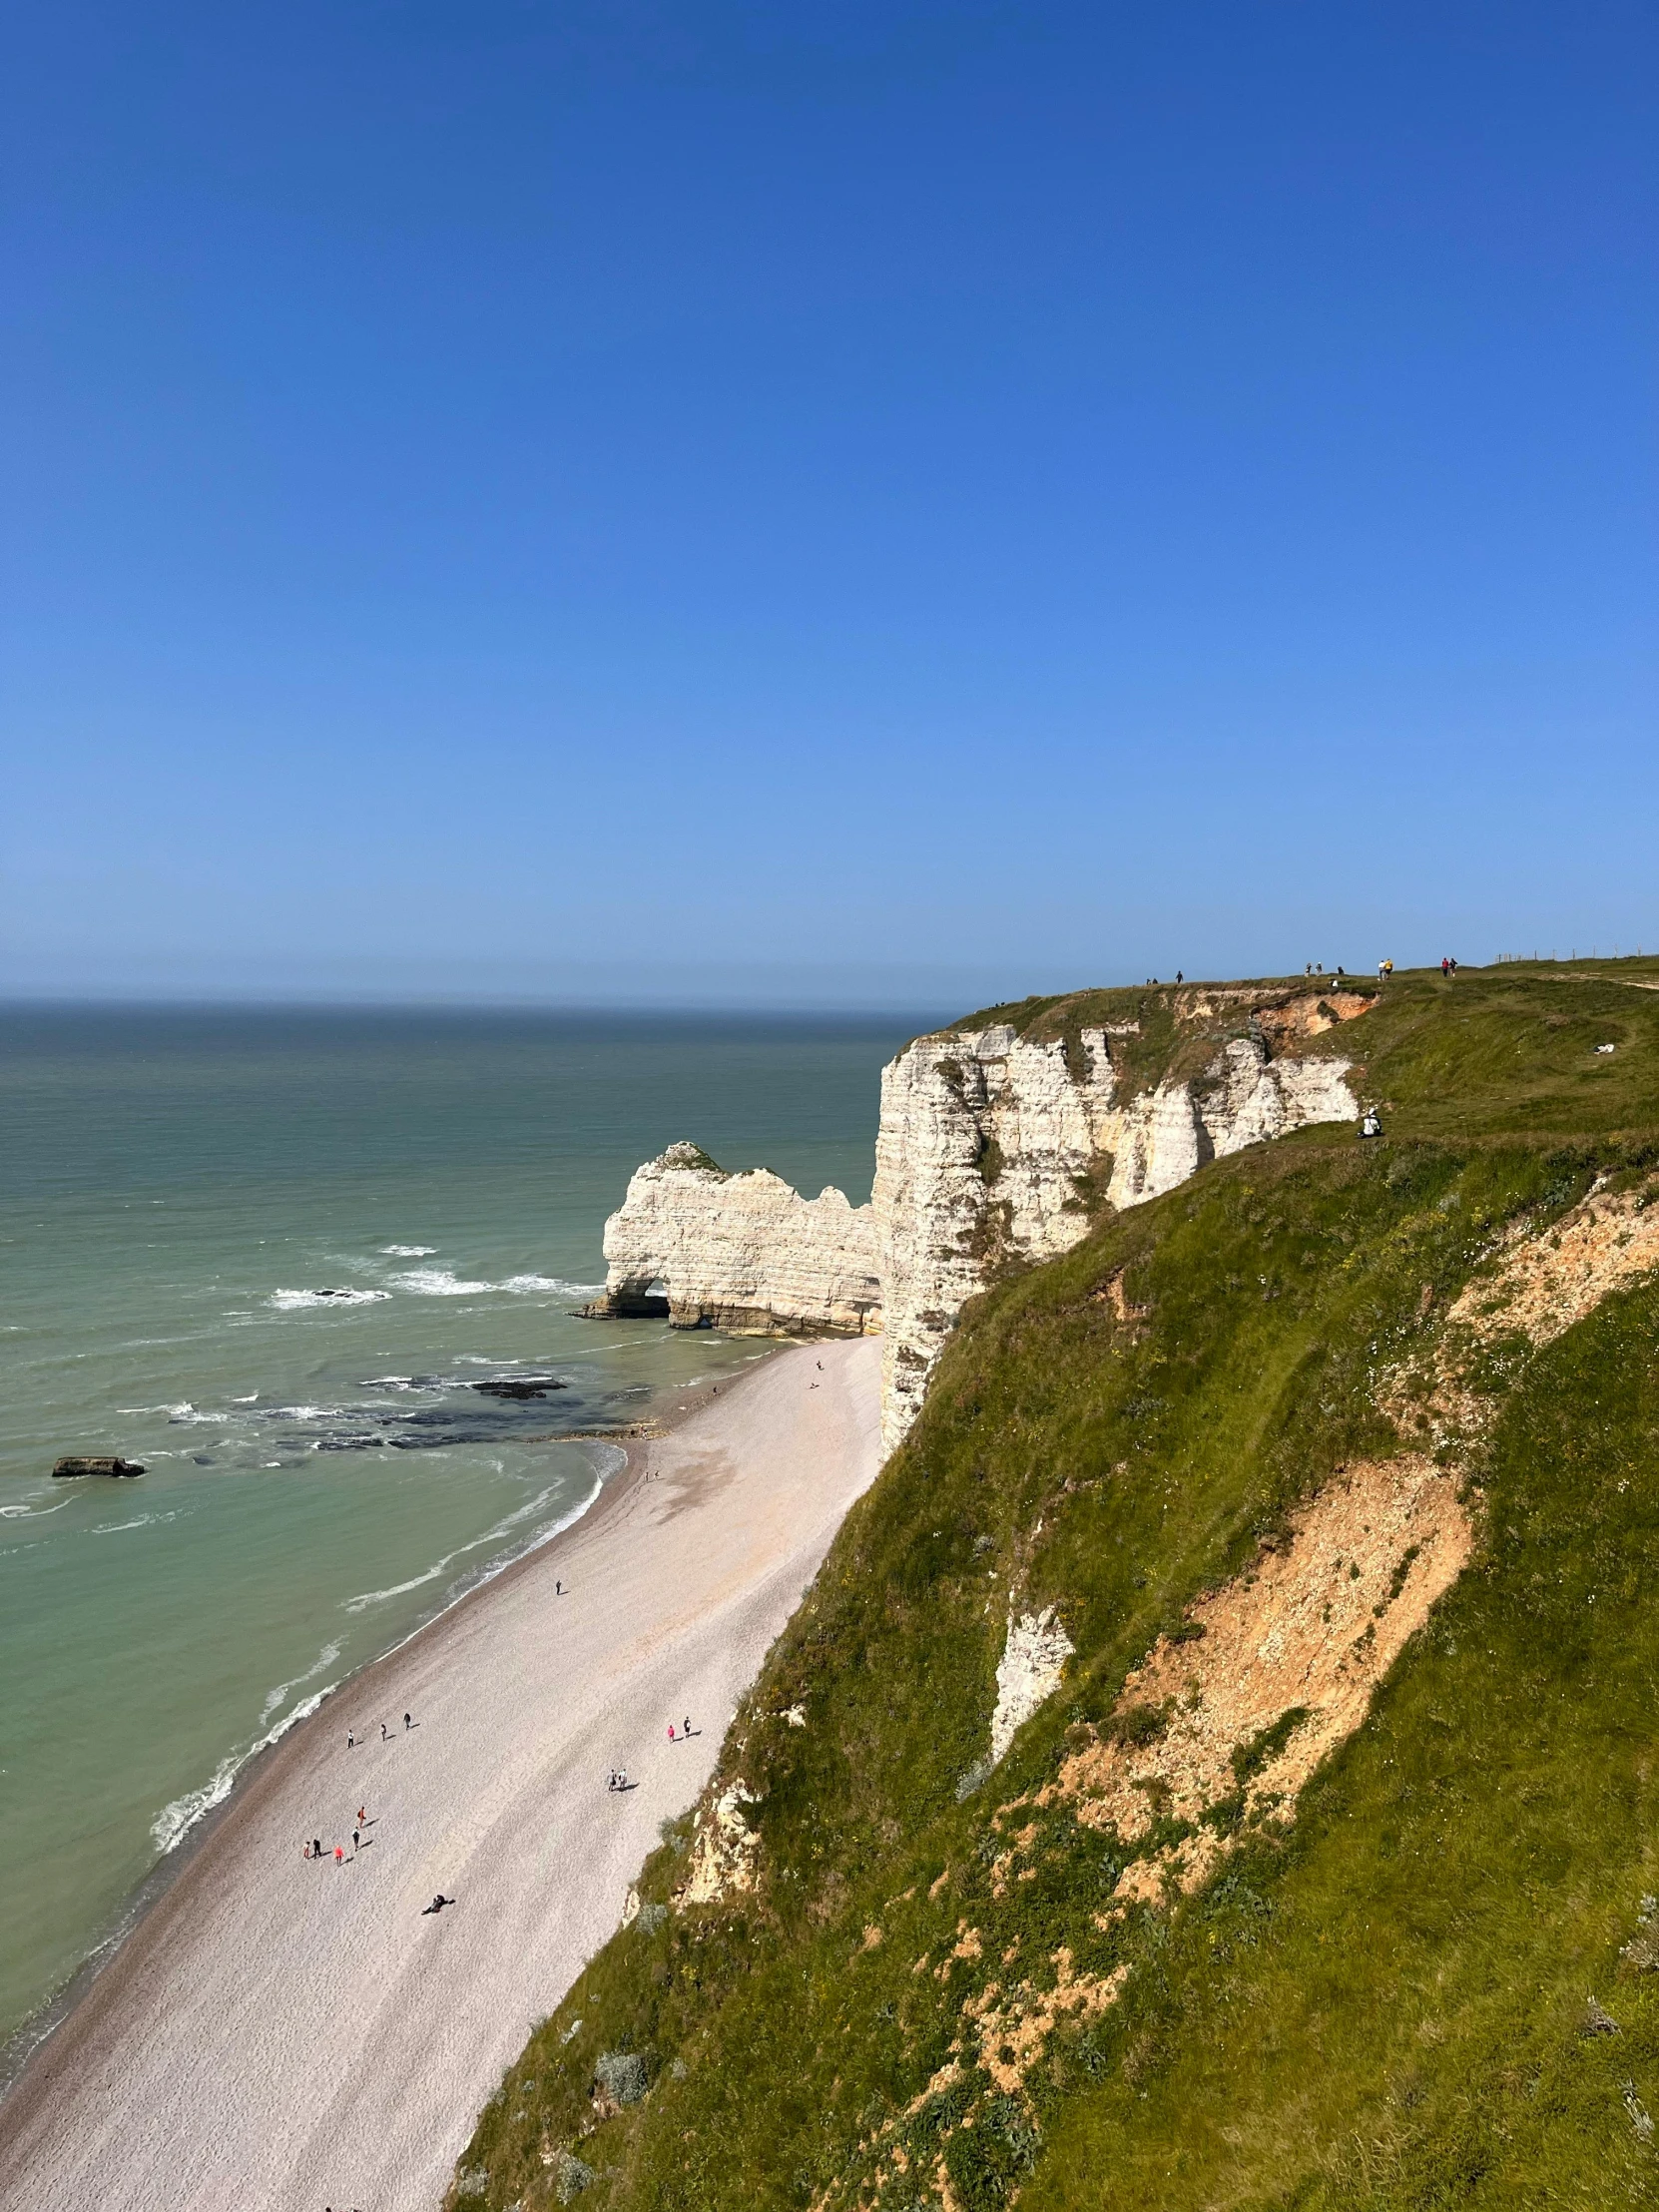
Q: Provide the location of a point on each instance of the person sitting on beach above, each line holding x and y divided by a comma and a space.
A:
437, 1905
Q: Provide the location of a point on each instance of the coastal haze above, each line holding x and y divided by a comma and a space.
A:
322, 1472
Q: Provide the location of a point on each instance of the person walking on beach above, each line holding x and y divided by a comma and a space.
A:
317, 1847
685, 1731
409, 1721
671, 1732
384, 1738
340, 1854
356, 1841
350, 1739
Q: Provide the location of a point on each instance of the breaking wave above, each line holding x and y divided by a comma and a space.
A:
444, 1283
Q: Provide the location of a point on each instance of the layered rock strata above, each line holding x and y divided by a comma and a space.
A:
994, 1148
742, 1252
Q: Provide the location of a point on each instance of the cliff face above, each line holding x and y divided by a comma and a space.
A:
1031, 1854
985, 1147
740, 1252
995, 1148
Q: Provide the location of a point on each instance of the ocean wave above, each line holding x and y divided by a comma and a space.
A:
320, 1665
408, 1252
145, 1520
173, 1821
503, 1527
444, 1283
365, 1598
28, 1512
288, 1301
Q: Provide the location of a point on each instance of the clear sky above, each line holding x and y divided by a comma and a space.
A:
841, 504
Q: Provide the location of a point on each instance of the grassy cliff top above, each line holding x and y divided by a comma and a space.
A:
1492, 1050
1425, 1972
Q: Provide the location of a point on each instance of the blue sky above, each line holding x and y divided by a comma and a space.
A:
850, 504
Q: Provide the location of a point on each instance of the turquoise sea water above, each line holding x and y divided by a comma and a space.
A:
176, 1190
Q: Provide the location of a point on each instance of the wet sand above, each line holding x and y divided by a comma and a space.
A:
288, 2035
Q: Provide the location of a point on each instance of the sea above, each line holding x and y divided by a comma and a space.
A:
316, 1271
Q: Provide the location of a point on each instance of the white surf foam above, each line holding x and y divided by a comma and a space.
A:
173, 1821
408, 1252
503, 1527
290, 1301
145, 1520
320, 1665
444, 1283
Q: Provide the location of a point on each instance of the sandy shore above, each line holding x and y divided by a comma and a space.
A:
286, 2035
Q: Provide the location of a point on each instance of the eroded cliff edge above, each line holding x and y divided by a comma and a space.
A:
740, 1251
1002, 1139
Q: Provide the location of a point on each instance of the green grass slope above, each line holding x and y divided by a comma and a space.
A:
1391, 2005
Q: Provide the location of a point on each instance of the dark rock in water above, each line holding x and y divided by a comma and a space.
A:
518, 1386
427, 1440
96, 1466
349, 1443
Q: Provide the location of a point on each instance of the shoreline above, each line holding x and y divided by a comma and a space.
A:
32, 2034
113, 2009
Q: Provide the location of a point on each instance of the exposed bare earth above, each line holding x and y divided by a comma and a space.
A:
1540, 1284
1310, 1630
1222, 1728
280, 2035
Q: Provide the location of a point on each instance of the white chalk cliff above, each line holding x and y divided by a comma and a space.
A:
993, 1148
742, 1252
